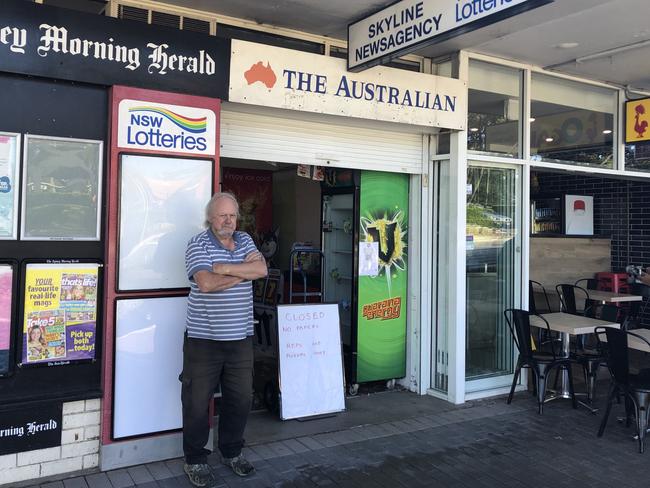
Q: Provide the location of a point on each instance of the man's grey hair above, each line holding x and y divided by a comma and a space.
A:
214, 199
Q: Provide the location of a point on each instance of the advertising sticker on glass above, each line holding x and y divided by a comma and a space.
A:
9, 151
61, 189
60, 318
6, 306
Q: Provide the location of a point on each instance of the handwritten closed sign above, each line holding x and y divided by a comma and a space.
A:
311, 366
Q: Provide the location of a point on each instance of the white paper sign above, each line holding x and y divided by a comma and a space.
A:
311, 364
166, 128
283, 78
368, 258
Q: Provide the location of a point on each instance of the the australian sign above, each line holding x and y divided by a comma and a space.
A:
410, 24
282, 78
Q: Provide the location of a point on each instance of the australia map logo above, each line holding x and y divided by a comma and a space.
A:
262, 74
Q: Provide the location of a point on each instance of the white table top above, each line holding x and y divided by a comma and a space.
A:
610, 297
570, 324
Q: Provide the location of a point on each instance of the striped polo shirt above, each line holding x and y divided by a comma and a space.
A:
218, 315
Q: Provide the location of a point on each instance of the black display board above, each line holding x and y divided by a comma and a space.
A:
27, 429
64, 44
62, 109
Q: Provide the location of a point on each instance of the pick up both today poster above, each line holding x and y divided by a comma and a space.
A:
60, 318
381, 336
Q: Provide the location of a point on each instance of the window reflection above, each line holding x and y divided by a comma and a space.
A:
571, 122
494, 108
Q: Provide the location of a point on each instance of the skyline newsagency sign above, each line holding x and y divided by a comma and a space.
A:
294, 80
408, 25
59, 43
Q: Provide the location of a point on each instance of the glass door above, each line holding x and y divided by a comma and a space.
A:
493, 272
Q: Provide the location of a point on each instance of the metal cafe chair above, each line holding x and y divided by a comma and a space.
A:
591, 358
634, 387
533, 306
539, 362
589, 283
569, 296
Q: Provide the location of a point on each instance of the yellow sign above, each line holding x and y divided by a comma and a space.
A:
637, 120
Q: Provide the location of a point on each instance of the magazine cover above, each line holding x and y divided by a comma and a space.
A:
60, 317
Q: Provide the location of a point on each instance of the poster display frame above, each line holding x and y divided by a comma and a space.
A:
16, 177
209, 159
98, 330
12, 316
279, 352
114, 353
100, 176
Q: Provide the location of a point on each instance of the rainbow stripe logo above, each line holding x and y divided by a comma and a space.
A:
196, 126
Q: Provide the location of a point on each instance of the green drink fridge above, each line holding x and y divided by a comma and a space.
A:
369, 207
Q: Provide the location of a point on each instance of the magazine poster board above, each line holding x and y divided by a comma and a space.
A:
60, 313
310, 360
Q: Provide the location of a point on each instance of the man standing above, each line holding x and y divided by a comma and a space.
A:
218, 347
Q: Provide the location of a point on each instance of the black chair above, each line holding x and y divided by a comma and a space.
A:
635, 388
589, 283
533, 306
636, 309
540, 363
569, 296
591, 358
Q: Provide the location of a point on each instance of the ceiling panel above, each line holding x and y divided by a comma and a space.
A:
532, 37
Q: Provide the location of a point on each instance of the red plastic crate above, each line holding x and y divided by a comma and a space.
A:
614, 282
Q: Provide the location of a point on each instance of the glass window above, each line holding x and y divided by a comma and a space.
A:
493, 269
61, 189
494, 108
571, 122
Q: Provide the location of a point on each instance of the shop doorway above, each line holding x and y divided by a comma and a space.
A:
493, 271
309, 222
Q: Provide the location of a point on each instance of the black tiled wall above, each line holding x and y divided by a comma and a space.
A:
621, 212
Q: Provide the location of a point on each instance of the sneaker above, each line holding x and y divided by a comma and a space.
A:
199, 474
239, 465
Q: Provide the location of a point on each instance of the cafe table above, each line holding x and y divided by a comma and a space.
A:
611, 297
567, 325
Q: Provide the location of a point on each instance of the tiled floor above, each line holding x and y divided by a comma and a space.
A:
480, 444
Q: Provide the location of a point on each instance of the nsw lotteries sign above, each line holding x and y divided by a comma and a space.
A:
283, 78
166, 128
411, 24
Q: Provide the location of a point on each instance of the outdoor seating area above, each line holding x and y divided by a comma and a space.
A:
594, 328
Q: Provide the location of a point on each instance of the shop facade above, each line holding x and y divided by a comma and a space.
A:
439, 170
531, 134
112, 143
60, 76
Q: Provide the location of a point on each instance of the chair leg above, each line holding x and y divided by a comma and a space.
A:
613, 392
541, 389
514, 383
641, 404
591, 374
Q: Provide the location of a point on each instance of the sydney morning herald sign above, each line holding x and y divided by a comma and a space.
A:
411, 24
59, 43
294, 80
